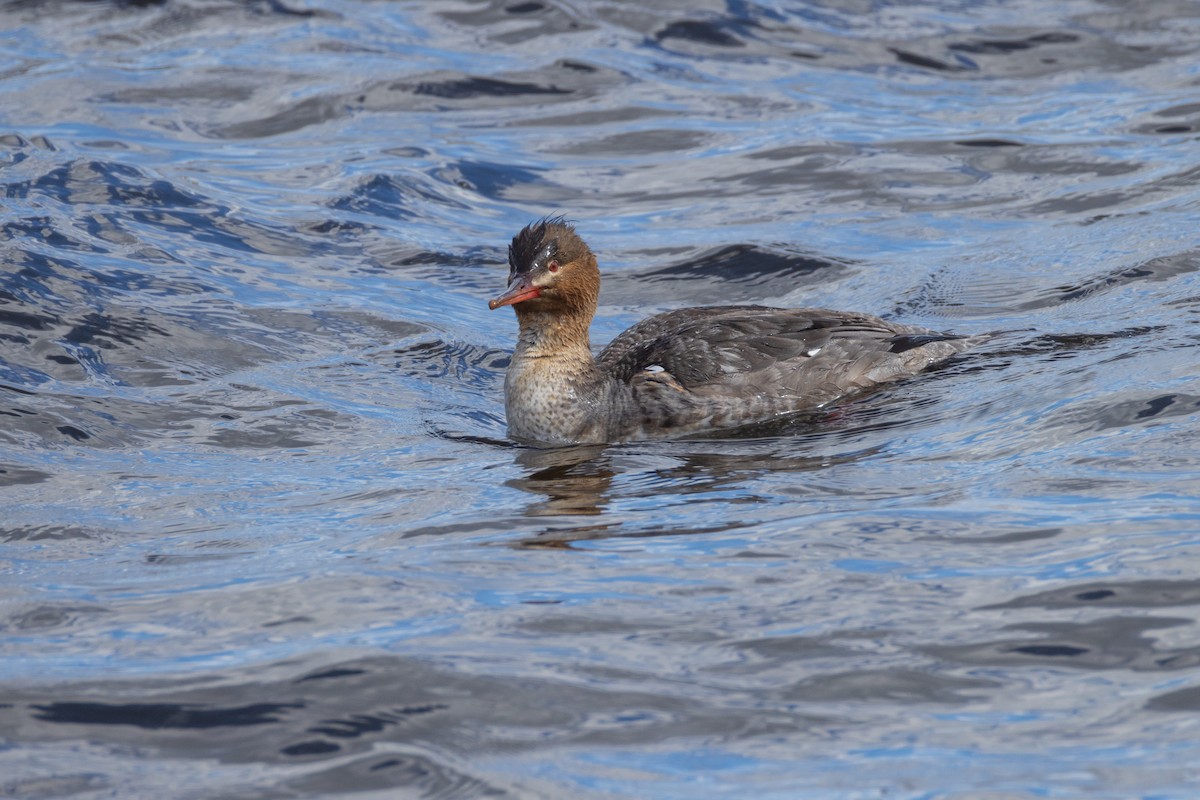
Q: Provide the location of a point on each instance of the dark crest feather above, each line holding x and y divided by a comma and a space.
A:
527, 244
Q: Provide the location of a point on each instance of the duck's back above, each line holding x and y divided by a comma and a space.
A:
800, 357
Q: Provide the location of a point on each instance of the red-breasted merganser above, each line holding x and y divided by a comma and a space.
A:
684, 371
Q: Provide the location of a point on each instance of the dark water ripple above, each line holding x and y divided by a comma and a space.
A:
264, 536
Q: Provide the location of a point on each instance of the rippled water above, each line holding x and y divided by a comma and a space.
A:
263, 535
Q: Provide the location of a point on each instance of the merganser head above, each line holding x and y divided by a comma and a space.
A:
550, 269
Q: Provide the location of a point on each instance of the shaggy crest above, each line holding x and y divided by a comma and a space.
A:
528, 245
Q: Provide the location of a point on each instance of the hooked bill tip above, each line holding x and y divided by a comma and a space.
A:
513, 296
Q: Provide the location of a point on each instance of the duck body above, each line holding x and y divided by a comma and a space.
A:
683, 371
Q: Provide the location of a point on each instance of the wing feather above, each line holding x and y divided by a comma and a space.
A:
809, 353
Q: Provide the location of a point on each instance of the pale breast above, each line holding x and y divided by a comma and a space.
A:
543, 404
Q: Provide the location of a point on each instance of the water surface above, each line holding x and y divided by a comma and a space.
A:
263, 534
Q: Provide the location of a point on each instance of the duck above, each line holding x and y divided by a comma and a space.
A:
681, 372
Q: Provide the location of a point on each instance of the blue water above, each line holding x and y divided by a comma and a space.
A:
264, 536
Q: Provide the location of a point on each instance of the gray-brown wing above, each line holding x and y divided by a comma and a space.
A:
814, 353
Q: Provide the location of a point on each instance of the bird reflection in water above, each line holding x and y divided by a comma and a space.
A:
573, 480
575, 484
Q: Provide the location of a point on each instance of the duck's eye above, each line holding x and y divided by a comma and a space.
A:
552, 266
